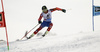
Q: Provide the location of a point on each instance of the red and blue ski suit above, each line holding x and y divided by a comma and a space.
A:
47, 19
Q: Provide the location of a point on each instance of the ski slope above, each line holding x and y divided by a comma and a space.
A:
80, 42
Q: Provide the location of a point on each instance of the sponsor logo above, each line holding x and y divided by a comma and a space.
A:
48, 16
97, 9
0, 18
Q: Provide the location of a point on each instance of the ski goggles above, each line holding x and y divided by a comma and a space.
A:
44, 10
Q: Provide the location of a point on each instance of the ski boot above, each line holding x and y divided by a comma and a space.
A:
31, 36
45, 33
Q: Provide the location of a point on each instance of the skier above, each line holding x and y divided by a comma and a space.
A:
46, 14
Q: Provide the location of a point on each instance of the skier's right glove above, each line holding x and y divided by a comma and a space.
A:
39, 22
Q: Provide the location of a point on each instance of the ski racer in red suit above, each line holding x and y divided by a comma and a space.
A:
46, 14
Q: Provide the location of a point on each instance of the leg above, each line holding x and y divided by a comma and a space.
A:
42, 26
38, 30
49, 28
35, 32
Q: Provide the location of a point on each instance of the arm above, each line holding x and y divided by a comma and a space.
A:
40, 17
39, 20
54, 9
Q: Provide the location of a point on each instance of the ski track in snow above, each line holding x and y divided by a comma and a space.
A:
82, 42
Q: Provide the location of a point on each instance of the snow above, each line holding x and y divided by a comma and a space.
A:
80, 42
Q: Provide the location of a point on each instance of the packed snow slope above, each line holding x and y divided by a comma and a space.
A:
80, 42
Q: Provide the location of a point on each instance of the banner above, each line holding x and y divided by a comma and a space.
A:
96, 10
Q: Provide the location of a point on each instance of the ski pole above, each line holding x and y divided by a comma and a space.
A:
29, 31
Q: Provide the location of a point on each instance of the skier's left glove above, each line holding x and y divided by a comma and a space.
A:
63, 10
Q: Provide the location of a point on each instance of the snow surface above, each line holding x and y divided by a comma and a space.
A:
80, 42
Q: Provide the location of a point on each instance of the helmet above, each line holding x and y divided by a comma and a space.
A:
44, 7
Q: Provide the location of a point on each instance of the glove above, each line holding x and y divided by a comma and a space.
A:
39, 22
63, 10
